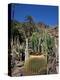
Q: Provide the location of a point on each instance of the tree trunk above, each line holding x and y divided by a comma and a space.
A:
26, 50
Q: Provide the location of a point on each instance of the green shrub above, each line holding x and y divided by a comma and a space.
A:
36, 65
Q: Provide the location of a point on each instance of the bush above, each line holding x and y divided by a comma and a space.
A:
36, 65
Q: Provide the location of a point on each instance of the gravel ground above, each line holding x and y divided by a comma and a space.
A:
18, 70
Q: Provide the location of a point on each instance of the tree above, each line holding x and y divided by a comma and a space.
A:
29, 19
29, 25
28, 28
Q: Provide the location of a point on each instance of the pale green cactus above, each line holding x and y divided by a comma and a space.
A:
42, 40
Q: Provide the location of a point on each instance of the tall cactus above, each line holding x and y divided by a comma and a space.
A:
48, 43
34, 41
42, 42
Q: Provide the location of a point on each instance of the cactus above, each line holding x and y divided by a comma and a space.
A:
34, 40
48, 43
36, 65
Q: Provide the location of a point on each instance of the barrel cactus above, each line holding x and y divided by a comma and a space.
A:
36, 65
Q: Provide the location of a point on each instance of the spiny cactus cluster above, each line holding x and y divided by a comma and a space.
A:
42, 42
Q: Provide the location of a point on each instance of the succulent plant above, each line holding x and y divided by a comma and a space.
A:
36, 65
